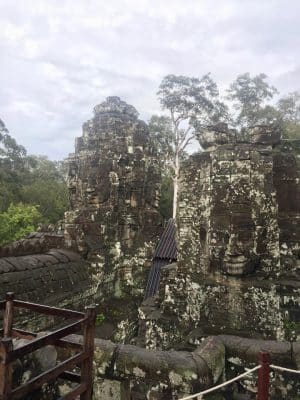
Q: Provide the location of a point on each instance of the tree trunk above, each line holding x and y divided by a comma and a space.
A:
175, 185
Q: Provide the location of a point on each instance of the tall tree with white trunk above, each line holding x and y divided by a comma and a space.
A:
190, 102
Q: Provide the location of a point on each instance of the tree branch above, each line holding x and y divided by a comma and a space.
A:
187, 142
185, 136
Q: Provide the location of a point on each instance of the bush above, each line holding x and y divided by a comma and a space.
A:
17, 222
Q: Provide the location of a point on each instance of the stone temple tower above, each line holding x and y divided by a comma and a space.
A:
114, 187
238, 241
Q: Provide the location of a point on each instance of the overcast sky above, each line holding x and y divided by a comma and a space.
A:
59, 58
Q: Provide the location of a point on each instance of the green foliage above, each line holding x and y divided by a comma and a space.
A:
12, 166
190, 99
33, 181
161, 136
289, 109
17, 222
45, 186
292, 329
166, 199
249, 95
11, 154
191, 103
100, 318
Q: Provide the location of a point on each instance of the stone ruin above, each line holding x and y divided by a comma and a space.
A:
110, 232
238, 235
238, 269
114, 186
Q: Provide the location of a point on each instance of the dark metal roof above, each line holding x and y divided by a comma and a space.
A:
154, 277
166, 248
165, 253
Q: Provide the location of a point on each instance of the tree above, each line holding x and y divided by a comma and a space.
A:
46, 187
12, 166
190, 102
160, 132
249, 95
289, 109
11, 153
17, 222
31, 180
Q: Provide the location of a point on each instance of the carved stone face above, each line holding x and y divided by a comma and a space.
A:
238, 260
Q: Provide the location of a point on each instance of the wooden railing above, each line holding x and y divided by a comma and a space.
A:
83, 357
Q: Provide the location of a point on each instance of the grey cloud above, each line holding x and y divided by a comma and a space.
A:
67, 61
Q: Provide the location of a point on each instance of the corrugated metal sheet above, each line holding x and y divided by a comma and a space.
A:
154, 277
166, 248
165, 253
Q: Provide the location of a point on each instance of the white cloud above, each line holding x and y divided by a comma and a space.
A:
59, 58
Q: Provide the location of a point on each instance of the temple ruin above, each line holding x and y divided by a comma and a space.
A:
238, 243
238, 255
114, 186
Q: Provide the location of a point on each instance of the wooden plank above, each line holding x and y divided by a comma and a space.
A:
42, 341
88, 347
74, 393
84, 359
8, 314
21, 334
36, 382
63, 343
6, 346
71, 376
59, 312
68, 345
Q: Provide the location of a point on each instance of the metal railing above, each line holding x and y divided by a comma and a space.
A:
83, 352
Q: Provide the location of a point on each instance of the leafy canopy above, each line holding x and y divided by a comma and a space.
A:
161, 137
289, 109
17, 222
12, 166
187, 98
45, 186
249, 95
190, 102
29, 181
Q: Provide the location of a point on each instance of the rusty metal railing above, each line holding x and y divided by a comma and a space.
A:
83, 357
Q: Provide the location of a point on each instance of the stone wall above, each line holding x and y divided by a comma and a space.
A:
114, 185
124, 372
238, 238
34, 243
57, 278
